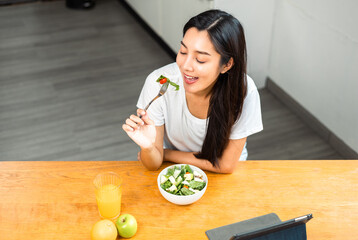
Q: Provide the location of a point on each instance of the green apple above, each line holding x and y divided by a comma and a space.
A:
126, 225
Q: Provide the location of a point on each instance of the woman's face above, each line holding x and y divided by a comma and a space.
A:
199, 62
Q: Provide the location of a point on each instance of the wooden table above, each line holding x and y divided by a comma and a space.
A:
55, 200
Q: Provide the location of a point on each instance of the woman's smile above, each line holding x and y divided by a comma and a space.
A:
190, 79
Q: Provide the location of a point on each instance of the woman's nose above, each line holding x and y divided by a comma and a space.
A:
188, 64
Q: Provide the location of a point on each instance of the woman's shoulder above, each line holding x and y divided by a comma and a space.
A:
251, 86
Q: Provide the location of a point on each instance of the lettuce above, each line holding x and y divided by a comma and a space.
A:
166, 185
188, 169
197, 185
170, 82
181, 190
170, 172
186, 191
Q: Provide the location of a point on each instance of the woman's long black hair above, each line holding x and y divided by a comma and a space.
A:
229, 91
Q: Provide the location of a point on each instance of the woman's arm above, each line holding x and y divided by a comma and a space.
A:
152, 157
148, 137
227, 162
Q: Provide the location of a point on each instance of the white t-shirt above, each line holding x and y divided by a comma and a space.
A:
183, 131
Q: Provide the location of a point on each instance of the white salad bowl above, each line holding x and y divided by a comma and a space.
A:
182, 200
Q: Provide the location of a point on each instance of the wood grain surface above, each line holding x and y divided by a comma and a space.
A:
56, 200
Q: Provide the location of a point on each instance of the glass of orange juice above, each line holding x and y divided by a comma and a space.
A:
108, 194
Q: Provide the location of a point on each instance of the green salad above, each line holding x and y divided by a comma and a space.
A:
182, 180
163, 79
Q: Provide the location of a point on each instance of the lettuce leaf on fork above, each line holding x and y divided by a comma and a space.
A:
170, 82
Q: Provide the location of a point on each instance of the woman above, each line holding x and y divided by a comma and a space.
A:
206, 122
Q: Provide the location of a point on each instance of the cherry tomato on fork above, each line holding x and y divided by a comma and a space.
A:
163, 80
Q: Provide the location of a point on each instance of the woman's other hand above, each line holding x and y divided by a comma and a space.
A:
140, 129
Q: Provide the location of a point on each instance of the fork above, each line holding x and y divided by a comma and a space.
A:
162, 90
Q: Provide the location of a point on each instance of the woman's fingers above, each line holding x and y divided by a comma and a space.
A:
140, 112
145, 118
127, 128
134, 122
141, 130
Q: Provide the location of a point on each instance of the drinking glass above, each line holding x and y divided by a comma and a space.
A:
108, 194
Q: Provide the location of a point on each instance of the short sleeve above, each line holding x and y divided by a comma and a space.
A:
149, 91
250, 121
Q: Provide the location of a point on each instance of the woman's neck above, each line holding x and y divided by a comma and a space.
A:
198, 105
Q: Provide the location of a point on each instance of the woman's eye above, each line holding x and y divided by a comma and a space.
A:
182, 53
199, 61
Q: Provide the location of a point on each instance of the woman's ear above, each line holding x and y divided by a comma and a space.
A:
228, 66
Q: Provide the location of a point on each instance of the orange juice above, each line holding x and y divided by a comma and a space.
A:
109, 199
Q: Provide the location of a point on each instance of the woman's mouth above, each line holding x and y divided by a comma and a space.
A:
190, 79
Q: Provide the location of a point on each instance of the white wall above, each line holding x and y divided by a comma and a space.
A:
256, 16
167, 17
314, 58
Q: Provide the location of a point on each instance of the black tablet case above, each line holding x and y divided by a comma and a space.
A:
297, 232
227, 231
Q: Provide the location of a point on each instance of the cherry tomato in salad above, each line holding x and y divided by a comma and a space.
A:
163, 80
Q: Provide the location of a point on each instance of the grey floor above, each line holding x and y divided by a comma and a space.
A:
69, 79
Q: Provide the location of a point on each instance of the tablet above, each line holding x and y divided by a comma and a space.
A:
273, 228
